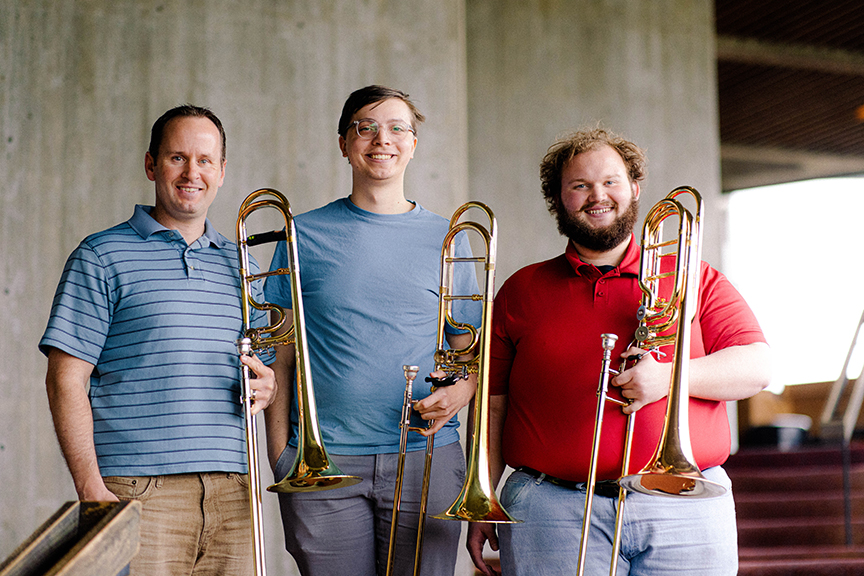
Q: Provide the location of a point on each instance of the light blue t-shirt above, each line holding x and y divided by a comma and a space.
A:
159, 320
370, 292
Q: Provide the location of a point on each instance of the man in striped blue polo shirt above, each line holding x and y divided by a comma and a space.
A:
143, 379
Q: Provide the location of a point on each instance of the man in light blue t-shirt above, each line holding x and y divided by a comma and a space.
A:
143, 379
370, 274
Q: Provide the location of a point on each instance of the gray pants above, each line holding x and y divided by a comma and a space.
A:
347, 530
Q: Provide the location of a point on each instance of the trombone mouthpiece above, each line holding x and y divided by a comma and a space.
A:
244, 346
609, 341
410, 372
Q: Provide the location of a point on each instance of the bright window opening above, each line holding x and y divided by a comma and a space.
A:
796, 253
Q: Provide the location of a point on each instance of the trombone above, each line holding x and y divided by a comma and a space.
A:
312, 468
672, 470
477, 501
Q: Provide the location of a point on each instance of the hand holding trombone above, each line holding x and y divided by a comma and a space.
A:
477, 501
312, 470
672, 471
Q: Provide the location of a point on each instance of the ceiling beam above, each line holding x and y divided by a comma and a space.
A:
750, 166
801, 56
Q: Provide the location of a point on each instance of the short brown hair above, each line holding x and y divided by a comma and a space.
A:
370, 95
565, 149
183, 111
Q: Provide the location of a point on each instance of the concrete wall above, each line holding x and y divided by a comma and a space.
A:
81, 83
538, 69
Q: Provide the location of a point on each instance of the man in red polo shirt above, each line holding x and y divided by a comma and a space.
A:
546, 361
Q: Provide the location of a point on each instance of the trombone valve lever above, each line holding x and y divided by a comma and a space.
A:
445, 381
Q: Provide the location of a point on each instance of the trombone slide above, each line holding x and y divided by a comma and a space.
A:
672, 470
313, 469
477, 501
263, 338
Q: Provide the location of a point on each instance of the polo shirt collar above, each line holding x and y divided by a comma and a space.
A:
629, 265
146, 226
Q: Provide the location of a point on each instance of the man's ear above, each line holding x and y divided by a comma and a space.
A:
150, 166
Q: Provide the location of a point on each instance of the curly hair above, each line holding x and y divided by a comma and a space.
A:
565, 149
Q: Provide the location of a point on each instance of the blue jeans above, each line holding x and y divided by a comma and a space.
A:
660, 535
347, 530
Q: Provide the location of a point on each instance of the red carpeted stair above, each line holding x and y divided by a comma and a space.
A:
790, 511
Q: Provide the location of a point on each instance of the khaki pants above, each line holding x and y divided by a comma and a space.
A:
195, 524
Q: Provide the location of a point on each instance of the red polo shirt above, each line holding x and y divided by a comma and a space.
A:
547, 355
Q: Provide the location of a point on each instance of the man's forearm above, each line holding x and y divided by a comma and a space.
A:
733, 373
497, 414
277, 416
73, 422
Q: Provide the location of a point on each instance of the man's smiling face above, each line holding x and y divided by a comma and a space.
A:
599, 203
384, 157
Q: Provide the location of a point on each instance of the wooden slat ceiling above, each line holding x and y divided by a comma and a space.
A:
791, 89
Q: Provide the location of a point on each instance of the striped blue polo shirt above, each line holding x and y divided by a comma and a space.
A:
158, 319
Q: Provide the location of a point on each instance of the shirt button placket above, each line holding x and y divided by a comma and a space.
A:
189, 259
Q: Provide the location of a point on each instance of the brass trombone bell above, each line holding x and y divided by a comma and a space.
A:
312, 469
477, 501
672, 470
663, 320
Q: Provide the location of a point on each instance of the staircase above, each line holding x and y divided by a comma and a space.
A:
790, 510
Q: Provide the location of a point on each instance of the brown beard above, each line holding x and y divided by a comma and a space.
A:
598, 239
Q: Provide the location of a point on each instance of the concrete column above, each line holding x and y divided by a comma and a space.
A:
539, 69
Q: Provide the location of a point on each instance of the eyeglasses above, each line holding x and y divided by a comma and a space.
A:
368, 129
